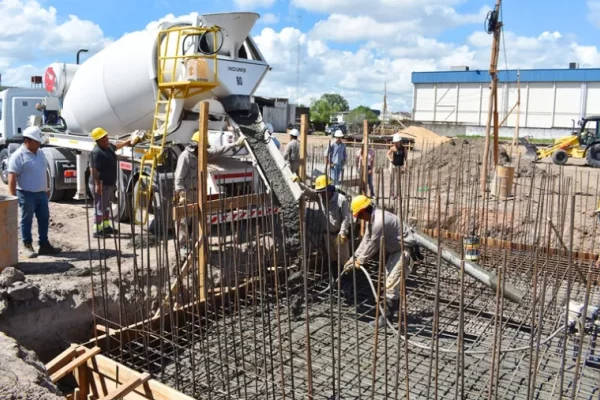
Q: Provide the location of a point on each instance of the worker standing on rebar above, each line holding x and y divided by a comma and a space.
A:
384, 224
103, 179
292, 152
336, 210
397, 157
335, 158
370, 165
186, 181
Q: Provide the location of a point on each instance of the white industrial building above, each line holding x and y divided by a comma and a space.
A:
551, 100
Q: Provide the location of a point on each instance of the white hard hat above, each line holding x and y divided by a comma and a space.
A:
269, 128
294, 132
34, 133
397, 138
338, 133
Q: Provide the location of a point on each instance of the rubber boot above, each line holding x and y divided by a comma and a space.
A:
392, 309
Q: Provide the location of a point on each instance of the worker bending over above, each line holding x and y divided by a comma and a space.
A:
292, 152
103, 179
186, 180
384, 224
336, 210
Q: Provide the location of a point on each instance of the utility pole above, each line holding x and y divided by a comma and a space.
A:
494, 26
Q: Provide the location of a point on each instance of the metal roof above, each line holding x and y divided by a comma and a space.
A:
527, 75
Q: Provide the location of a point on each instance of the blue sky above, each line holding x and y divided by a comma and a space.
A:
352, 47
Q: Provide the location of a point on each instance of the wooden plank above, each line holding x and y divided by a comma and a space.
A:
202, 195
108, 373
102, 328
127, 388
80, 360
64, 358
212, 206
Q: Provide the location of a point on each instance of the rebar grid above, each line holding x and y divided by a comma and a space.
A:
290, 329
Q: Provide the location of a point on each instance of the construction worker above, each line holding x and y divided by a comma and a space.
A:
383, 224
292, 152
397, 157
27, 179
103, 179
336, 210
370, 164
335, 157
186, 179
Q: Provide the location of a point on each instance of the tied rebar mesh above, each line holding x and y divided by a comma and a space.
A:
285, 326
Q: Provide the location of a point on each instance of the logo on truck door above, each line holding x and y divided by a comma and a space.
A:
49, 79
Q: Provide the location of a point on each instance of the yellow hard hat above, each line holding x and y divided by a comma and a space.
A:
98, 134
322, 182
359, 203
196, 137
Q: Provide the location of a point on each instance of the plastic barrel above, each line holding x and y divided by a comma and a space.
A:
9, 232
472, 248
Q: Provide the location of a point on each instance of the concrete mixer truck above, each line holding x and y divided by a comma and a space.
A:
151, 84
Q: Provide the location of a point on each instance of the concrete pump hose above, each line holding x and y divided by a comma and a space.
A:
472, 269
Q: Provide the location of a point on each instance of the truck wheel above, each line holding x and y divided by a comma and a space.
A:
122, 201
560, 157
4, 166
55, 195
593, 156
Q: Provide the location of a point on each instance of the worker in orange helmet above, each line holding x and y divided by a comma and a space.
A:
103, 179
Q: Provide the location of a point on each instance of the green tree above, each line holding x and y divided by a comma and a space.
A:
359, 114
331, 103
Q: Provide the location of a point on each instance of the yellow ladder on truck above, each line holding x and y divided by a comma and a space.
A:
198, 79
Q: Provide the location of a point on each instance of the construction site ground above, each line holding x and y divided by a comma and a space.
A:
53, 304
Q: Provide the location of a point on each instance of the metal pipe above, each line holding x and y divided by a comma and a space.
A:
79, 53
473, 270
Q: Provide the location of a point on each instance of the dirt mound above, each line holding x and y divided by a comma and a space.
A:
424, 135
22, 375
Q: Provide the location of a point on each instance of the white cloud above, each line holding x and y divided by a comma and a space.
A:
269, 19
250, 4
31, 33
594, 12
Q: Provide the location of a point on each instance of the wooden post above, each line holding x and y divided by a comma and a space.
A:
202, 196
493, 102
365, 156
303, 143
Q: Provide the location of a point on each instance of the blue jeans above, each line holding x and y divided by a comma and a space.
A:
34, 203
335, 172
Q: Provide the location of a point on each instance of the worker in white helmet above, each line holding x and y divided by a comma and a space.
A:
384, 224
28, 181
186, 180
397, 157
292, 152
335, 157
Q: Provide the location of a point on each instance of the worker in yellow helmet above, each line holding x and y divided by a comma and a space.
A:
186, 180
335, 208
103, 179
384, 224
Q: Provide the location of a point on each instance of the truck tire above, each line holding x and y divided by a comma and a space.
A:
593, 156
55, 194
560, 157
4, 166
121, 203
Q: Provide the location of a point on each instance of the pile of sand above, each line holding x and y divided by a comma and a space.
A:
422, 135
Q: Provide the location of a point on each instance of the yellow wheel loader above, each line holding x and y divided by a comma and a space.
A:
584, 144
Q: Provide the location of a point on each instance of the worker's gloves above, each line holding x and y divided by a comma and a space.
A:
240, 141
180, 198
341, 240
352, 264
295, 178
